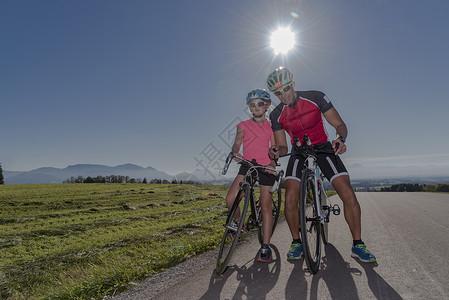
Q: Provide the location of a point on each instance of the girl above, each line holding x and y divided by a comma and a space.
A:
256, 136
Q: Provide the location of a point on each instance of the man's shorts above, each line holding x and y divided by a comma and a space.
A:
264, 178
330, 164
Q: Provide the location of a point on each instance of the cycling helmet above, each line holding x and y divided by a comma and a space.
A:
258, 94
279, 77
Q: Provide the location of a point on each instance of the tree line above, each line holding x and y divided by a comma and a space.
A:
2, 179
410, 187
123, 179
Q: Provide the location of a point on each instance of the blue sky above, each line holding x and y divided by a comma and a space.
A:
162, 83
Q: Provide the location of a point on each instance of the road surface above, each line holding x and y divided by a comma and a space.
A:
408, 233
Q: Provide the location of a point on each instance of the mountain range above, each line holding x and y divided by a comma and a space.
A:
58, 175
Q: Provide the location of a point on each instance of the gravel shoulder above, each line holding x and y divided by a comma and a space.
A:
158, 283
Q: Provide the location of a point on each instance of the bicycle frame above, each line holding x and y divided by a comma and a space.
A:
250, 179
319, 190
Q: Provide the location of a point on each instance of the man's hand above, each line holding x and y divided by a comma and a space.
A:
273, 153
338, 146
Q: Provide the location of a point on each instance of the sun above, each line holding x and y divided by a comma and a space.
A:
282, 40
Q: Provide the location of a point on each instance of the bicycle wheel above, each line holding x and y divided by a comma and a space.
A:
310, 221
231, 237
276, 201
325, 208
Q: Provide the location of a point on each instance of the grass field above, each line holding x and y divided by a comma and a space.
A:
82, 241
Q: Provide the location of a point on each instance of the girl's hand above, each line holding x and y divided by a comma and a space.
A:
238, 157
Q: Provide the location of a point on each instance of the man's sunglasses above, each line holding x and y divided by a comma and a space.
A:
285, 90
259, 104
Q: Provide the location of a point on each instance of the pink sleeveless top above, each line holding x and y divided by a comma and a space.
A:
256, 141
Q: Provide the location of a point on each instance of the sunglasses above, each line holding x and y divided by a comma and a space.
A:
258, 104
285, 90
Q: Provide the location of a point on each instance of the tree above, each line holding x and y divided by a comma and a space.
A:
2, 179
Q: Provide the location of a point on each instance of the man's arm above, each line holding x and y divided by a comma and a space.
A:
280, 147
334, 119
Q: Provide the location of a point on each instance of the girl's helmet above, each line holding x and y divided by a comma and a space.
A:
258, 94
278, 78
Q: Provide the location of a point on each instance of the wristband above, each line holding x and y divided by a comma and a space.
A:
342, 138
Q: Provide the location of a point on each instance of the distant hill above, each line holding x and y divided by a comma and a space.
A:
361, 176
56, 175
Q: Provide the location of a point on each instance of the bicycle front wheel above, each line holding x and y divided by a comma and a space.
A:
324, 207
275, 209
231, 235
310, 221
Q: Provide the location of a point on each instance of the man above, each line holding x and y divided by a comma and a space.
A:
300, 113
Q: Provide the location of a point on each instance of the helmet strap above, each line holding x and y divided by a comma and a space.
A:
258, 117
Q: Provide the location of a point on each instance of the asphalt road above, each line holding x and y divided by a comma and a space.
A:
408, 233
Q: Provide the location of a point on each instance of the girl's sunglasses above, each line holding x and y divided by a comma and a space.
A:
258, 104
285, 90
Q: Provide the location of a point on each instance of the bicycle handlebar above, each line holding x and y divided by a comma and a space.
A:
277, 174
227, 163
308, 149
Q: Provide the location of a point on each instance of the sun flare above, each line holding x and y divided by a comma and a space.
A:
282, 40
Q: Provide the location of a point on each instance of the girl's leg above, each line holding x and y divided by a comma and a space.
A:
232, 193
267, 213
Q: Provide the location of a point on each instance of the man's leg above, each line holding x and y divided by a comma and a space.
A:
292, 187
351, 206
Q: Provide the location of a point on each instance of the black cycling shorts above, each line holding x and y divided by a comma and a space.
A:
330, 164
264, 178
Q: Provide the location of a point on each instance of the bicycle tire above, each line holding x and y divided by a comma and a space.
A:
310, 222
229, 242
276, 209
325, 225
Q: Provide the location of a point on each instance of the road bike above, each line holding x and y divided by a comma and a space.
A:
233, 234
314, 205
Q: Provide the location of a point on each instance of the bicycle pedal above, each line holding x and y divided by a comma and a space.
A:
336, 209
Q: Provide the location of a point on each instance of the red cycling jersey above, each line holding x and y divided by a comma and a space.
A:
304, 116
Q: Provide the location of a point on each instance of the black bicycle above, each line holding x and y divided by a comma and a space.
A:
314, 205
233, 233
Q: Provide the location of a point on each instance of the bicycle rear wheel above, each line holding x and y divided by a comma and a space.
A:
275, 209
230, 236
310, 222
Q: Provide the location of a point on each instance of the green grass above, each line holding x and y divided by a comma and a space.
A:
78, 241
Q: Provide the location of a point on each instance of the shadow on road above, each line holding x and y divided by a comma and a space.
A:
216, 284
334, 280
256, 279
296, 287
336, 274
380, 288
